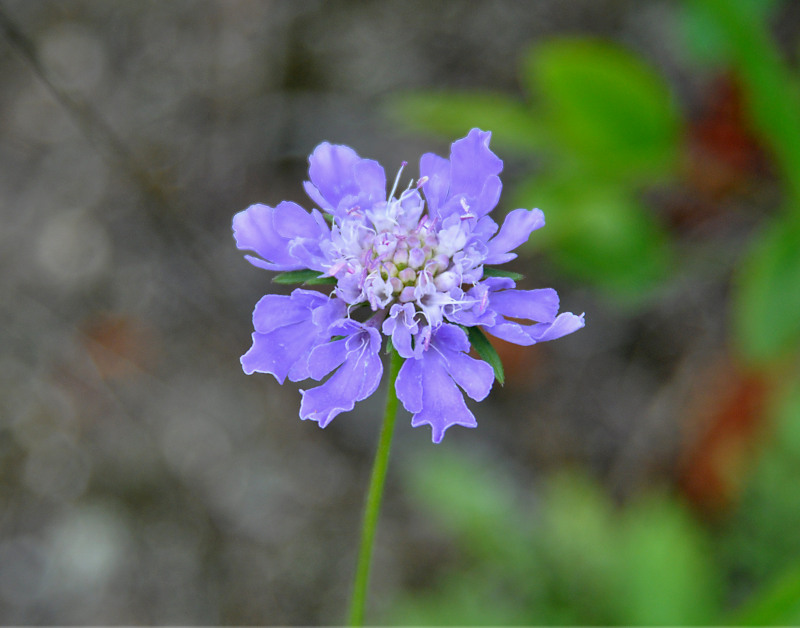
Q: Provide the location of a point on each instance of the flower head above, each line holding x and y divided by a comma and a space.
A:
412, 266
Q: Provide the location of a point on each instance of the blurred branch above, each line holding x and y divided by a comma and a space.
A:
88, 120
162, 207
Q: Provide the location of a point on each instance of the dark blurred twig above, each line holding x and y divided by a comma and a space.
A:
162, 206
90, 122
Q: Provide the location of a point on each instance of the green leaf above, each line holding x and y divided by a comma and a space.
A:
473, 497
777, 605
703, 36
612, 111
766, 302
599, 234
490, 271
308, 277
771, 89
481, 344
668, 577
453, 114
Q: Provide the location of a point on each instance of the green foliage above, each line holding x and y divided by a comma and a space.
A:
490, 271
571, 556
601, 234
761, 541
777, 605
607, 109
480, 508
770, 86
767, 299
575, 559
308, 277
705, 38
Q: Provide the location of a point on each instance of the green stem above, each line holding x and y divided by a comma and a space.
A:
374, 496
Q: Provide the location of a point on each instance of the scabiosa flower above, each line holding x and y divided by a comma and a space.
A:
416, 267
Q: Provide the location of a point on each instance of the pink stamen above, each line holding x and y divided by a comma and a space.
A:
337, 267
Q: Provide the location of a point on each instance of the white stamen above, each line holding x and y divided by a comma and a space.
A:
397, 180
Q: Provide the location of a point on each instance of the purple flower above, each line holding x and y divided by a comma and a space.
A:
413, 266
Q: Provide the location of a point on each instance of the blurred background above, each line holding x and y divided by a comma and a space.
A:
641, 471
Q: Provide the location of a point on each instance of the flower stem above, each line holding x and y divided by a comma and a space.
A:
374, 496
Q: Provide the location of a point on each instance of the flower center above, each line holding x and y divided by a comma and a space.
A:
405, 265
393, 253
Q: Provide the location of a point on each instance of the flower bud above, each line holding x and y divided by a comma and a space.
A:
401, 255
416, 258
390, 269
407, 276
397, 285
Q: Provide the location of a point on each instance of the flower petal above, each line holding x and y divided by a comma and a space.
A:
525, 335
488, 198
516, 229
371, 180
326, 357
436, 171
475, 377
534, 305
565, 323
427, 386
442, 402
331, 169
276, 310
409, 385
401, 326
472, 163
270, 232
285, 334
356, 379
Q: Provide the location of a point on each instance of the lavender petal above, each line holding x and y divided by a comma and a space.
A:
516, 230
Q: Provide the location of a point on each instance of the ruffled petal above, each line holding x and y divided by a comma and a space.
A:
540, 306
408, 385
355, 380
276, 310
516, 229
285, 334
371, 180
488, 198
277, 351
534, 305
449, 339
428, 386
435, 171
472, 163
525, 335
326, 357
565, 323
474, 376
270, 232
442, 402
331, 169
